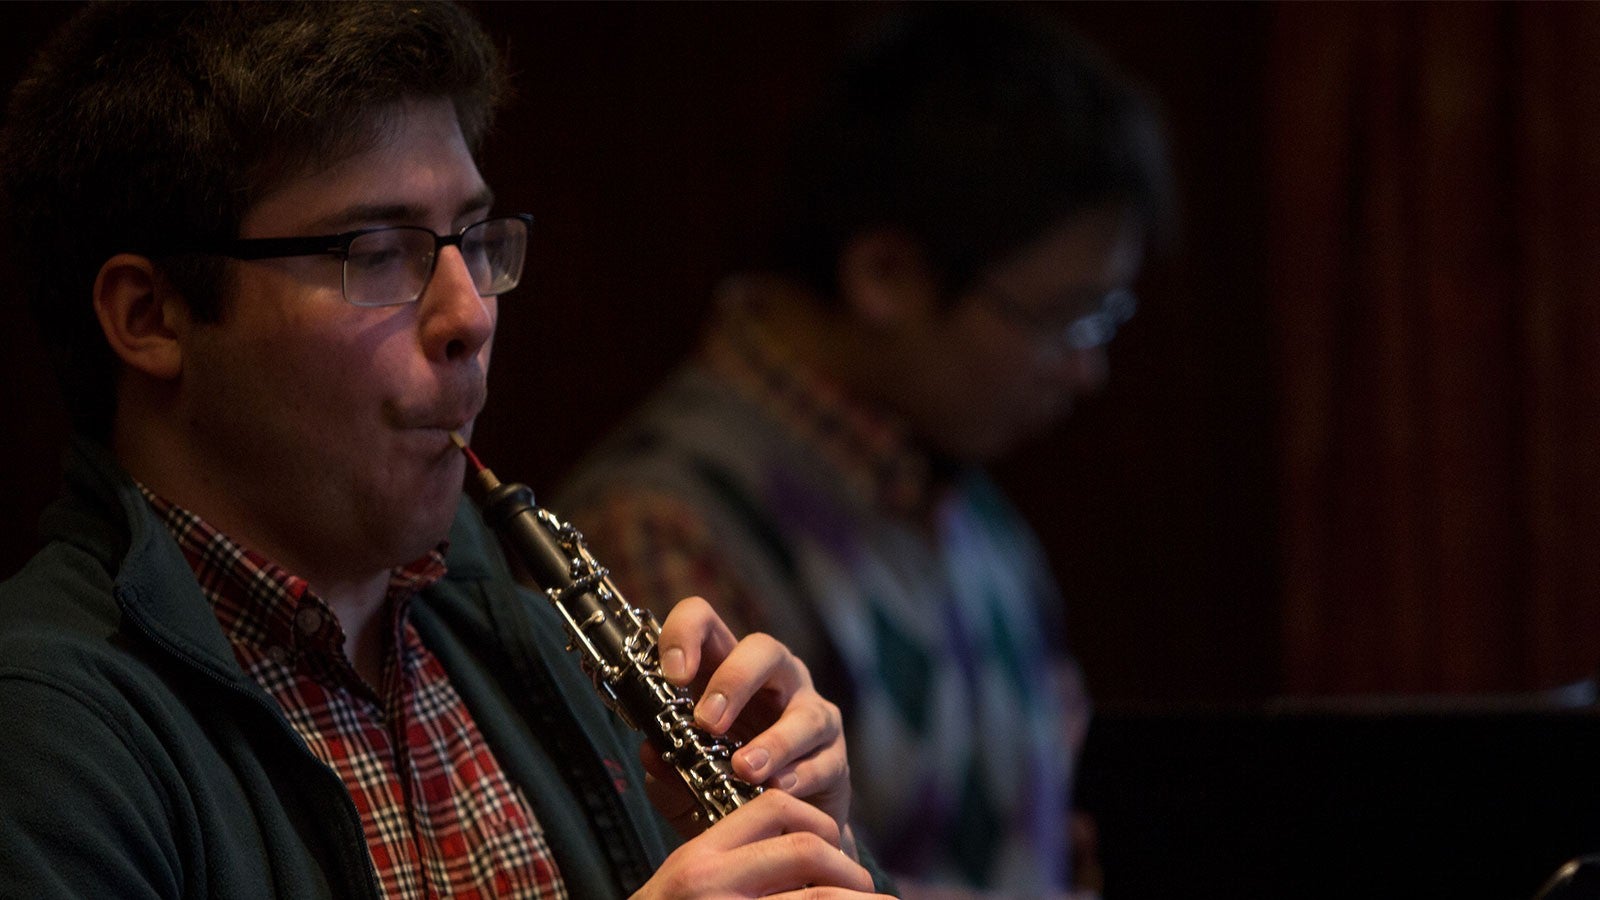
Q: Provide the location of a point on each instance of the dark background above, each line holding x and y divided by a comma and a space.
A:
1349, 446
645, 138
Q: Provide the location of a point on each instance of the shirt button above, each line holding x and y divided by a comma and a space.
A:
279, 655
308, 621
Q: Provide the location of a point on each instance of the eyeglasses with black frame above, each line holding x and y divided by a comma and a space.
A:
1073, 329
392, 264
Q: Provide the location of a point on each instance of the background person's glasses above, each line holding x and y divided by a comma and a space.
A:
1070, 327
393, 264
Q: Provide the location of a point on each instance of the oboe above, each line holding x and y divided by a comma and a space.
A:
616, 642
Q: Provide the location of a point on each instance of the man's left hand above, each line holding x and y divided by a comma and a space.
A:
754, 690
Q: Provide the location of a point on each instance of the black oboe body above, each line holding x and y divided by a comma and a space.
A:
617, 643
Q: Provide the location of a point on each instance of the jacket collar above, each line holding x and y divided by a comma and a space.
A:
103, 513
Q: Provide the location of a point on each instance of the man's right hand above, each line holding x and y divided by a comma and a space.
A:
774, 846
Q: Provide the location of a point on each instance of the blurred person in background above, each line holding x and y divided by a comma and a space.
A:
957, 234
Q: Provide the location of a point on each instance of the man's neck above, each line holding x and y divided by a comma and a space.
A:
362, 613
782, 314
357, 599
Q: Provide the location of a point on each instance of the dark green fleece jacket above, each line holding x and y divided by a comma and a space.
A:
138, 760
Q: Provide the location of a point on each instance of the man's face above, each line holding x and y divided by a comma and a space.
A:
999, 367
324, 426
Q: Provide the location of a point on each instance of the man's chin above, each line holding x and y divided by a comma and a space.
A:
1040, 430
425, 529
981, 447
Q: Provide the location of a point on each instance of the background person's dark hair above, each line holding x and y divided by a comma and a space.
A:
975, 129
142, 125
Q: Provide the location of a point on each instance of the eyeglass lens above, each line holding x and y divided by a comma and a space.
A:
1098, 328
393, 265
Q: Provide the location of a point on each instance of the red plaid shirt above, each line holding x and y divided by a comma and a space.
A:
441, 818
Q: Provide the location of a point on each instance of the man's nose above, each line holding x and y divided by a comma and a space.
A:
1084, 371
456, 322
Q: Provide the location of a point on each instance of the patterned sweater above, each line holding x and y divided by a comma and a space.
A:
920, 600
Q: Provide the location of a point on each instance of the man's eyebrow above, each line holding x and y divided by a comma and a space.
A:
355, 216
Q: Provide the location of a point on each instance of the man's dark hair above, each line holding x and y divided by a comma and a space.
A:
973, 128
143, 125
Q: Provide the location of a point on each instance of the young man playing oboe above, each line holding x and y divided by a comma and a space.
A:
267, 651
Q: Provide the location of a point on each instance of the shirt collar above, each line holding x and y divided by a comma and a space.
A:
263, 606
872, 448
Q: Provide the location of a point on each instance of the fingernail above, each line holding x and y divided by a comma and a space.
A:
711, 708
756, 759
672, 664
788, 781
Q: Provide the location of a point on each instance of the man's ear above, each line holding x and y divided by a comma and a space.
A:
884, 278
139, 314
